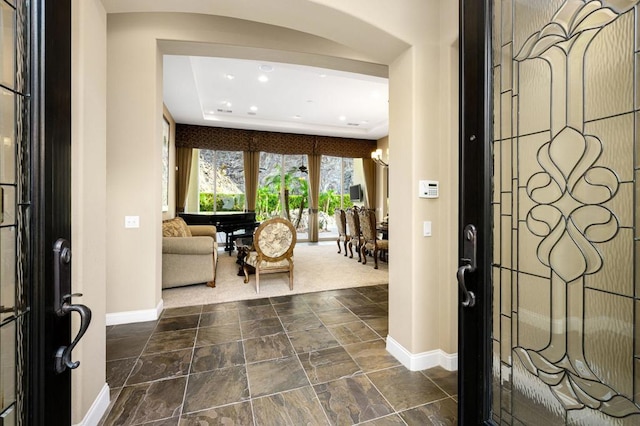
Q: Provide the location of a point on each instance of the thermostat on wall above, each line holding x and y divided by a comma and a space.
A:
428, 189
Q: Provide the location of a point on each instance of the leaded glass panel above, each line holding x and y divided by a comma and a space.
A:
8, 42
14, 209
566, 294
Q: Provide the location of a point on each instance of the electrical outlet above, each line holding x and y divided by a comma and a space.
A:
132, 221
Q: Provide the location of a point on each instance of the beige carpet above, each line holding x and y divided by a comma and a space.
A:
317, 267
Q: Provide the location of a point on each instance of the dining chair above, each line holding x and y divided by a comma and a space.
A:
341, 223
371, 242
353, 230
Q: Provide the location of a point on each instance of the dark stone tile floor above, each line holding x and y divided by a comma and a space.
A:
308, 359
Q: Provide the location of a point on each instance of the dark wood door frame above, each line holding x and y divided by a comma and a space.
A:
474, 375
50, 392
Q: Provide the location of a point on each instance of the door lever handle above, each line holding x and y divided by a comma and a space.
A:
63, 354
469, 256
468, 298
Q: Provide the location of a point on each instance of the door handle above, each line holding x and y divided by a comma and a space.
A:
468, 260
63, 355
63, 305
468, 298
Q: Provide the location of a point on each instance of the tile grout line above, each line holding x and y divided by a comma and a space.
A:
366, 374
246, 370
124, 383
193, 351
313, 389
362, 370
316, 400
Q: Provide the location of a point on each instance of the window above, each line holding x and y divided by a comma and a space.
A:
221, 181
283, 190
336, 176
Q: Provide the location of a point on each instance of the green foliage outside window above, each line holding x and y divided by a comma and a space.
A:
268, 204
224, 202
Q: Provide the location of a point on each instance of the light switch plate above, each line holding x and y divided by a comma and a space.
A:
426, 228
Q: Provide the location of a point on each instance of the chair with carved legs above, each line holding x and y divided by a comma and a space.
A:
353, 230
273, 244
371, 242
341, 223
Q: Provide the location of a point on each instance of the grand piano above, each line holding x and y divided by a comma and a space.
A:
233, 224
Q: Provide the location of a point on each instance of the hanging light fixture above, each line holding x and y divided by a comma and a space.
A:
303, 168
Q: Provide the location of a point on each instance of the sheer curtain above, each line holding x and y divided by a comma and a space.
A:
183, 162
315, 161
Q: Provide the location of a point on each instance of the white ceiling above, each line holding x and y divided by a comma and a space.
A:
296, 99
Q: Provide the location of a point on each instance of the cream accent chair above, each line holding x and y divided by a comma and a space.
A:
371, 242
189, 254
272, 252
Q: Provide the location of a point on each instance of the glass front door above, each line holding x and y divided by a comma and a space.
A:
564, 344
35, 208
14, 210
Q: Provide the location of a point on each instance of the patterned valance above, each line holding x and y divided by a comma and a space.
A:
223, 139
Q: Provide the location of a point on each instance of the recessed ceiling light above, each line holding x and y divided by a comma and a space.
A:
297, 116
253, 108
342, 118
265, 68
263, 79
323, 75
228, 104
364, 122
230, 76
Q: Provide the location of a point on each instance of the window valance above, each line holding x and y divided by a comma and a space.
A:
223, 139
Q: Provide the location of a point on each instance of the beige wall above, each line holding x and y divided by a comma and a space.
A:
119, 269
134, 120
134, 117
88, 198
422, 142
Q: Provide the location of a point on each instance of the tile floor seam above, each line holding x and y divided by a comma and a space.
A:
244, 365
281, 313
186, 383
395, 411
294, 350
438, 386
317, 398
133, 367
421, 405
244, 356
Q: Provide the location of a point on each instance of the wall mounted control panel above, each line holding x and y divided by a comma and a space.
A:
428, 189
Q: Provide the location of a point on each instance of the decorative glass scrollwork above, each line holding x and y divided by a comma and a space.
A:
571, 211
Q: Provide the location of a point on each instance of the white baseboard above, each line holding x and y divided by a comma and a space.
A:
424, 360
128, 317
97, 409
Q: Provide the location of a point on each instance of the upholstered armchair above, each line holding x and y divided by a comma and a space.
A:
273, 244
353, 230
371, 242
341, 223
189, 254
